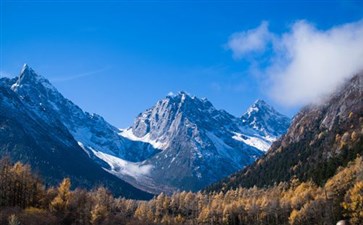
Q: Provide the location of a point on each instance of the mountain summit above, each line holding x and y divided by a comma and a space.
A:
265, 119
27, 74
159, 124
199, 143
39, 127
89, 130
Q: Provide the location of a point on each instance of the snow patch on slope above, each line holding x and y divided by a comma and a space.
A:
256, 142
123, 167
127, 133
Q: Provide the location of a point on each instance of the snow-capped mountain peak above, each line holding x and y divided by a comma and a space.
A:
162, 121
25, 67
29, 77
193, 135
260, 105
263, 118
43, 99
185, 98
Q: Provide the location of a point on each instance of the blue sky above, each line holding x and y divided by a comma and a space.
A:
117, 58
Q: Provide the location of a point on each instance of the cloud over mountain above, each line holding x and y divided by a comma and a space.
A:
250, 41
307, 64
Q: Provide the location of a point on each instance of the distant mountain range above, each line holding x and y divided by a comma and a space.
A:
182, 143
321, 139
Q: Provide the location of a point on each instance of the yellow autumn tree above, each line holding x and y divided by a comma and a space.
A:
102, 202
60, 203
353, 203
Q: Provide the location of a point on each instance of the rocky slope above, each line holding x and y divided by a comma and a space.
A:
199, 143
320, 139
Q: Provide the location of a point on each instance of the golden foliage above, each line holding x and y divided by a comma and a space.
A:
61, 201
294, 202
353, 204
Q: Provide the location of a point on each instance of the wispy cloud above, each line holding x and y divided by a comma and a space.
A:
250, 41
308, 64
170, 93
78, 76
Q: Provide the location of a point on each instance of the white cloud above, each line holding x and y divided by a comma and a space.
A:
251, 41
308, 64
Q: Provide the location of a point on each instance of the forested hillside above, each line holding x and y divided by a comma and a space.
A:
320, 139
25, 200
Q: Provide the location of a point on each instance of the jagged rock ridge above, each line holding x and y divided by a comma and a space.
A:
199, 143
320, 139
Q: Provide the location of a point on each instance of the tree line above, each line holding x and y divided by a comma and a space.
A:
24, 199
